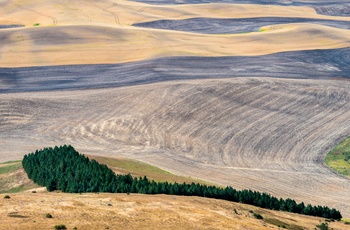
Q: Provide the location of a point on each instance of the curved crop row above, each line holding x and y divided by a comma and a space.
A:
269, 135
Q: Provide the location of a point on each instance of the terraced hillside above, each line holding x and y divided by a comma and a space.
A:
254, 110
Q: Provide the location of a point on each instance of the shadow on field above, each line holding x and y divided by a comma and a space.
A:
333, 8
315, 64
230, 26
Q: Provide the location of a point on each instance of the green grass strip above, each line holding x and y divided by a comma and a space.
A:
339, 158
9, 168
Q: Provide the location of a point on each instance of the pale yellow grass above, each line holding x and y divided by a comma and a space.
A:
121, 211
128, 12
87, 32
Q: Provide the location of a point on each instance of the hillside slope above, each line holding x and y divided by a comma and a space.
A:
116, 211
244, 132
85, 32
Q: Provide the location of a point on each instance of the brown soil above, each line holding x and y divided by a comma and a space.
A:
264, 134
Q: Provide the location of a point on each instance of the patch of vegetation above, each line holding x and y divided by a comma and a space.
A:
9, 167
7, 197
60, 227
322, 226
10, 162
339, 158
16, 215
48, 215
258, 216
277, 223
282, 224
346, 221
263, 29
36, 24
137, 169
10, 174
17, 189
63, 168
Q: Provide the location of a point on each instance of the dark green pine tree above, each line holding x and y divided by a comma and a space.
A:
63, 168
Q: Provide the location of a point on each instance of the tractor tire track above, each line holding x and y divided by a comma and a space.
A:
116, 18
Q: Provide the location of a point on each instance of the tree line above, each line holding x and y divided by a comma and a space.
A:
63, 168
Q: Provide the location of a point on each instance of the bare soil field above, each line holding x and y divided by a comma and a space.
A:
231, 26
244, 132
334, 8
121, 211
258, 110
314, 64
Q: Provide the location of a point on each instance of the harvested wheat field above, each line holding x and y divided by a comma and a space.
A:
251, 95
59, 33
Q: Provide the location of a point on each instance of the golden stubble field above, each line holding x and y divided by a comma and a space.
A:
87, 32
264, 134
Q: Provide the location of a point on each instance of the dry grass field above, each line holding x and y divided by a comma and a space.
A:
121, 211
28, 209
263, 133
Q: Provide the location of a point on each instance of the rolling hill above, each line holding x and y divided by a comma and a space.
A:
256, 110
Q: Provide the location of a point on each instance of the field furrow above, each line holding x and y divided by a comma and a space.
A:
244, 132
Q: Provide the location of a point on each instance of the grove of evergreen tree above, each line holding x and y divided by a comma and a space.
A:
63, 168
